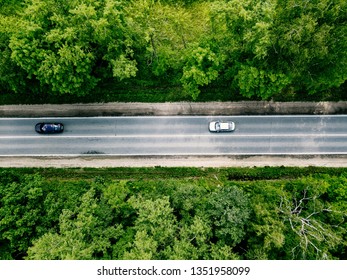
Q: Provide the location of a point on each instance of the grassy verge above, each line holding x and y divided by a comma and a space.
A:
162, 173
159, 93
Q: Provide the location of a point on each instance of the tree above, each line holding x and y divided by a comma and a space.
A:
201, 69
21, 213
244, 30
265, 234
155, 224
267, 47
228, 210
162, 34
220, 251
10, 7
312, 42
83, 234
71, 45
263, 83
144, 247
313, 224
192, 241
12, 77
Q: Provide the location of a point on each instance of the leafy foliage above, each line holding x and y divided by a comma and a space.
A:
253, 49
228, 209
82, 234
70, 45
21, 218
174, 213
200, 69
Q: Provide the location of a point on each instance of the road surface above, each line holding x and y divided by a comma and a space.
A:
177, 135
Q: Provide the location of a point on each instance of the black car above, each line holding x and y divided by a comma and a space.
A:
48, 128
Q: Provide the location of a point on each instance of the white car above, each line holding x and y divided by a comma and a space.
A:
219, 126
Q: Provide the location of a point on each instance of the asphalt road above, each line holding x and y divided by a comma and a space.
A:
254, 135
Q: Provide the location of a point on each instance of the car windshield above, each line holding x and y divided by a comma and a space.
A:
48, 127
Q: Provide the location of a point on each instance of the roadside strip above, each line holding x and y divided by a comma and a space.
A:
175, 108
174, 161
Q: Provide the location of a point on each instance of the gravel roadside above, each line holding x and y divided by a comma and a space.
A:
186, 161
177, 108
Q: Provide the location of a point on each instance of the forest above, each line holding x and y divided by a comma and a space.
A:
165, 50
248, 49
269, 213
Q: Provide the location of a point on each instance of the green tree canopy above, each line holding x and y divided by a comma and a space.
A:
272, 45
21, 212
70, 45
82, 234
258, 49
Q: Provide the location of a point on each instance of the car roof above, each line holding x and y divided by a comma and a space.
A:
224, 125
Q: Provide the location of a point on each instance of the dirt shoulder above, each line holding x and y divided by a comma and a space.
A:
177, 108
174, 161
